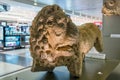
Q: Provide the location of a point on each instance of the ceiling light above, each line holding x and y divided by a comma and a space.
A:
35, 3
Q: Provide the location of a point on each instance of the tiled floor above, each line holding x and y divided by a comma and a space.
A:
19, 52
14, 60
20, 60
6, 68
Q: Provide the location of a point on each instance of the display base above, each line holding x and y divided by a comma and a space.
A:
93, 69
115, 75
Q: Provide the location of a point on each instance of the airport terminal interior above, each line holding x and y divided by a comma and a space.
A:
16, 18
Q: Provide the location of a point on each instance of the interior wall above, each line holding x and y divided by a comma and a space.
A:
111, 36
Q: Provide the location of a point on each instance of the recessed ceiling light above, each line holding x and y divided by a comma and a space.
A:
35, 3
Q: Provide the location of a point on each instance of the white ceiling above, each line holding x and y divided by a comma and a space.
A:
19, 11
89, 7
25, 8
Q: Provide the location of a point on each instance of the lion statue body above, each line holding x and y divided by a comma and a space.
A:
56, 41
90, 36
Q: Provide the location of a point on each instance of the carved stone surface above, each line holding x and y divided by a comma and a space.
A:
111, 7
56, 41
90, 36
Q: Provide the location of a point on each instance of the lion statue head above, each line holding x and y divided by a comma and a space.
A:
111, 7
53, 37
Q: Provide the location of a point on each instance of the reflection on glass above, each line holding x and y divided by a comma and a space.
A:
1, 32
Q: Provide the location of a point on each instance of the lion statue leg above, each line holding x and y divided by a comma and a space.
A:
76, 67
36, 67
98, 43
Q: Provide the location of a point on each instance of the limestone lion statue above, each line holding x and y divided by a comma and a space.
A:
56, 41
